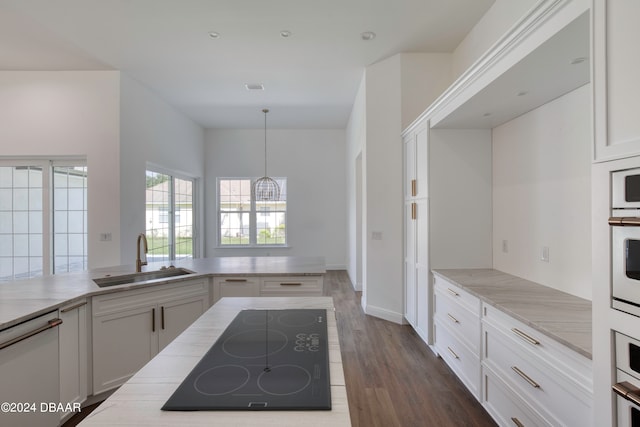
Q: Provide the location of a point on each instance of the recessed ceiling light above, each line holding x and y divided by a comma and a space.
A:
522, 93
214, 34
368, 35
254, 86
285, 33
486, 114
579, 60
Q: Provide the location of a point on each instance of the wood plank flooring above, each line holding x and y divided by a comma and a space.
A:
393, 379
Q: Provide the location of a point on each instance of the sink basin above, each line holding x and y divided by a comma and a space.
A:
140, 277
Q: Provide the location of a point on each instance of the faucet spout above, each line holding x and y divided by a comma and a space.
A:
139, 262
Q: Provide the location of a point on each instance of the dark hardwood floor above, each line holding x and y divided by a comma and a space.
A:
393, 379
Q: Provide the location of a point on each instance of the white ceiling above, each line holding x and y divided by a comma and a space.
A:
310, 78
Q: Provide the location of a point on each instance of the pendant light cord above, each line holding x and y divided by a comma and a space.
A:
265, 111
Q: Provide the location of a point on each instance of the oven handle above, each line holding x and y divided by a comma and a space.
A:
628, 391
624, 221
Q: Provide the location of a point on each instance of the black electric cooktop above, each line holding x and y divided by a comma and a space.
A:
264, 360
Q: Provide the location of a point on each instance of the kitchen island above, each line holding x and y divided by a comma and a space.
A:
139, 400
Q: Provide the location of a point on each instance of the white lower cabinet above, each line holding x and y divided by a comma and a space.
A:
291, 286
29, 371
547, 381
73, 356
521, 376
130, 327
457, 332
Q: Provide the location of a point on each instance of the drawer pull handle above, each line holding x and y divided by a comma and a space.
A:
291, 284
525, 377
525, 337
73, 307
235, 280
517, 422
453, 319
628, 391
452, 292
50, 324
413, 188
453, 353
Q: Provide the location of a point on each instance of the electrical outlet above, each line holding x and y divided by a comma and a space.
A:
376, 235
105, 237
505, 246
544, 256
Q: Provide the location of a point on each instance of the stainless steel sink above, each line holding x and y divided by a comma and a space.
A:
141, 277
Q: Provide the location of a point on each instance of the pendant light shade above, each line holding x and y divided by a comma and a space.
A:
265, 188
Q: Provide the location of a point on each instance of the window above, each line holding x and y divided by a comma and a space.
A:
243, 221
43, 218
170, 217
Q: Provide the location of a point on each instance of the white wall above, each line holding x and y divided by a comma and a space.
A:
313, 163
356, 134
70, 113
502, 16
152, 132
541, 179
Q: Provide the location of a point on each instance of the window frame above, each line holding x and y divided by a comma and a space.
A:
171, 214
253, 217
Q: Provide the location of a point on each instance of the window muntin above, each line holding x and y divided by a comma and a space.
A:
243, 221
43, 218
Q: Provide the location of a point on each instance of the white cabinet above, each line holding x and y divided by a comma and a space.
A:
73, 354
291, 286
526, 374
616, 88
29, 369
241, 286
130, 327
417, 291
265, 286
457, 331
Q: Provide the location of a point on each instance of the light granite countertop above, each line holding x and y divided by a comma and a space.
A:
561, 316
21, 300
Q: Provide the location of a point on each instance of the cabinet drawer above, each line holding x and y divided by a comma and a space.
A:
504, 406
540, 346
238, 286
548, 390
131, 299
459, 357
462, 297
292, 285
464, 323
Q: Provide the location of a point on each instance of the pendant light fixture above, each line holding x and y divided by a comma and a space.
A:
265, 188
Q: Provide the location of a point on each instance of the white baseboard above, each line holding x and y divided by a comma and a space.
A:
383, 313
335, 267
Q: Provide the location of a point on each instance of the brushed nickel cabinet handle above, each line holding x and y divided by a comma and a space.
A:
452, 292
624, 221
453, 319
291, 284
50, 324
526, 377
73, 307
453, 353
525, 337
628, 391
153, 320
414, 191
162, 317
235, 280
517, 422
